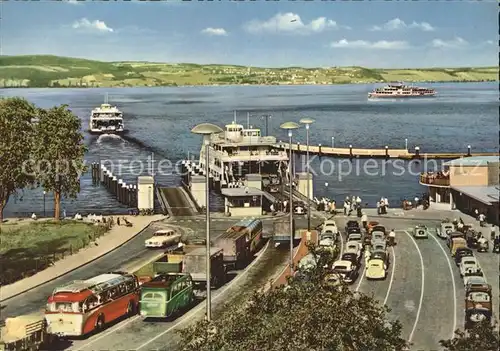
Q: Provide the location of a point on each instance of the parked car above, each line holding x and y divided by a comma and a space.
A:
327, 239
351, 256
420, 232
445, 229
453, 235
461, 253
351, 225
347, 270
355, 237
163, 238
352, 230
376, 269
468, 263
379, 245
377, 236
472, 275
329, 226
353, 247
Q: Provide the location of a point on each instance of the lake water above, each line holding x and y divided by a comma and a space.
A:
160, 119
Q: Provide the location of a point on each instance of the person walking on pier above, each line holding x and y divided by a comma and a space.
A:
346, 207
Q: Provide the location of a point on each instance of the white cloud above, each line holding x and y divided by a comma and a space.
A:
74, 2
95, 26
363, 44
489, 42
454, 43
291, 23
214, 31
398, 24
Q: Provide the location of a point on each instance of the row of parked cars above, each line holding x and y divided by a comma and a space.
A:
478, 293
348, 266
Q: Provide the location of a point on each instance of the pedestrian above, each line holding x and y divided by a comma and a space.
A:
379, 209
64, 213
346, 207
118, 220
482, 218
272, 208
285, 207
364, 221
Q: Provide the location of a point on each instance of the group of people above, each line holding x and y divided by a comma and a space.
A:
327, 205
352, 204
382, 206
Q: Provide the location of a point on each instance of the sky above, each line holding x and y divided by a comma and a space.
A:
259, 33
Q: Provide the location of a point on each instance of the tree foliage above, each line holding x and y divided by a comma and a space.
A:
482, 337
307, 314
16, 142
59, 153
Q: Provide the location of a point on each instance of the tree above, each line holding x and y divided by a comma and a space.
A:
59, 153
16, 142
307, 314
482, 337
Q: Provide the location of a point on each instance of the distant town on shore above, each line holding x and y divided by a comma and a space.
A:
61, 72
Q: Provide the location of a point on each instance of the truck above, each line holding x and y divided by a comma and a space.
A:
235, 247
194, 263
28, 332
281, 232
165, 264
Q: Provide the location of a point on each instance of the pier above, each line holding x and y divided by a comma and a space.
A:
384, 153
126, 194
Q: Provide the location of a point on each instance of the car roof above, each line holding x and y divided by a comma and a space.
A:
378, 232
352, 242
330, 222
375, 260
342, 263
471, 258
354, 234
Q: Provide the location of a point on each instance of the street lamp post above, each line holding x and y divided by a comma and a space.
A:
44, 213
289, 126
308, 122
207, 129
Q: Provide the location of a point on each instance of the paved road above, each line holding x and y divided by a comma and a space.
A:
441, 296
137, 334
127, 256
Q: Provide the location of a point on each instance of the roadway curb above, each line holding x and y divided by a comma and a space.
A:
82, 265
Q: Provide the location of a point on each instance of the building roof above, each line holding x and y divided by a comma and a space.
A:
473, 161
243, 191
486, 194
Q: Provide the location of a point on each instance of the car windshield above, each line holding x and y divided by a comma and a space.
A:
375, 264
470, 262
327, 237
378, 247
162, 233
354, 237
479, 297
340, 268
352, 247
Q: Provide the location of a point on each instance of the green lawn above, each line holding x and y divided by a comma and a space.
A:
26, 248
55, 71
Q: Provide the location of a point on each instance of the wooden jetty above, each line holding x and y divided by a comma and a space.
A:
385, 153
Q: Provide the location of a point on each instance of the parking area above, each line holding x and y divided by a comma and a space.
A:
423, 287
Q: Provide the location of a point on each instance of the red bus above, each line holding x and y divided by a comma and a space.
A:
83, 306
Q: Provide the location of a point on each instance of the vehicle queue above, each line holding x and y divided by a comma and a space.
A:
461, 241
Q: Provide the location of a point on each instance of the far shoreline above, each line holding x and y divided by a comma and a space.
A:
241, 85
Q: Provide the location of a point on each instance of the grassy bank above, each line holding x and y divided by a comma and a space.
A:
27, 248
54, 71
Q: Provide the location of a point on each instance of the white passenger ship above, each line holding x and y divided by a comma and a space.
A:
106, 119
238, 151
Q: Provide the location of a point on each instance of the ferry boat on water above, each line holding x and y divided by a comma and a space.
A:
399, 90
106, 119
238, 151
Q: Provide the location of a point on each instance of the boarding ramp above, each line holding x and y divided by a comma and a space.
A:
175, 202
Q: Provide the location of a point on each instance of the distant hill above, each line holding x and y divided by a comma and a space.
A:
55, 71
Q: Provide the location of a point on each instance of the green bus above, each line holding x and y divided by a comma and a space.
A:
166, 294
